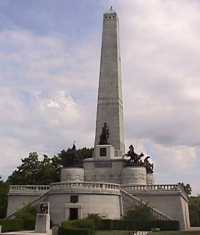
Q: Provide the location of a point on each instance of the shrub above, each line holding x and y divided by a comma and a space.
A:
11, 225
137, 225
74, 231
86, 225
94, 222
24, 220
141, 212
28, 216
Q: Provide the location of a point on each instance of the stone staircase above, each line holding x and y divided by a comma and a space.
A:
34, 203
130, 201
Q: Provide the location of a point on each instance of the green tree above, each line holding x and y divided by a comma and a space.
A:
27, 216
27, 172
73, 157
194, 208
24, 220
35, 171
86, 152
141, 213
47, 170
3, 198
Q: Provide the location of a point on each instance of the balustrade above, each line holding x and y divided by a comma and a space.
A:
159, 187
29, 188
94, 186
89, 186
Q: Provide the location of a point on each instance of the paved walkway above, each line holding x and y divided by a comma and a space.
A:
194, 229
23, 233
138, 233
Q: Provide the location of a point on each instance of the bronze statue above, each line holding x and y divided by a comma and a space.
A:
131, 153
104, 135
136, 160
44, 208
134, 157
148, 165
71, 157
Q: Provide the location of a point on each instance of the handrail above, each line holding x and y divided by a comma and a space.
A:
155, 212
37, 200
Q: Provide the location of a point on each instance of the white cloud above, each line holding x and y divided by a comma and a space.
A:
160, 54
48, 87
42, 105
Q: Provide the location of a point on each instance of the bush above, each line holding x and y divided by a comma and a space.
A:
74, 231
94, 222
24, 220
28, 216
141, 212
86, 226
3, 198
11, 225
137, 225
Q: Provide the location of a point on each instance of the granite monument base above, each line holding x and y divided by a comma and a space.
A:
42, 224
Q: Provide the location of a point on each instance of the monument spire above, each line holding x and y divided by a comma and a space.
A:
110, 103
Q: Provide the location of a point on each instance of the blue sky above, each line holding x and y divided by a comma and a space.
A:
49, 68
51, 17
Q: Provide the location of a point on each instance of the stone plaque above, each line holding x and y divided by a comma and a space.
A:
102, 164
103, 152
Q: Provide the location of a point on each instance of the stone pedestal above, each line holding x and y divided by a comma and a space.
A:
72, 174
42, 224
102, 152
150, 179
134, 175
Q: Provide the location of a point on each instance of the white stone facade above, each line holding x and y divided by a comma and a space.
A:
72, 174
134, 175
105, 199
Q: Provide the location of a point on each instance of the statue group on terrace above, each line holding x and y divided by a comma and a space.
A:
136, 160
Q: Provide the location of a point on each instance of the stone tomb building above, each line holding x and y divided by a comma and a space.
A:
111, 182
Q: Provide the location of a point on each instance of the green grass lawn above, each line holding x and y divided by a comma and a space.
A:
177, 233
154, 233
111, 233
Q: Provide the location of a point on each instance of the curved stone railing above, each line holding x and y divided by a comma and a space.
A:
29, 188
92, 187
85, 187
155, 187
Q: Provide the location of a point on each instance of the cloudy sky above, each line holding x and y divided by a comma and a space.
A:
49, 68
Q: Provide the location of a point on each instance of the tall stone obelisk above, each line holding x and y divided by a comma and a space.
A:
110, 103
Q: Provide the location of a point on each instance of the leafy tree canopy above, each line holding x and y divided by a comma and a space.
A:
194, 208
3, 197
35, 171
47, 170
73, 157
140, 213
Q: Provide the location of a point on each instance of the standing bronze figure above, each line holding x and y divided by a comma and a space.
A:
104, 135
